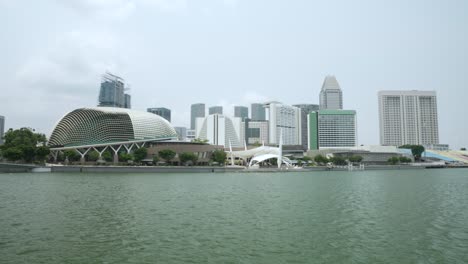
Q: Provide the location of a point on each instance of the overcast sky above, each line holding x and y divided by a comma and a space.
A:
232, 52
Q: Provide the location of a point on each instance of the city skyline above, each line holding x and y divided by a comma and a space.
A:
58, 66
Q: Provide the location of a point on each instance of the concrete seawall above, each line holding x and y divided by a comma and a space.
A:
121, 169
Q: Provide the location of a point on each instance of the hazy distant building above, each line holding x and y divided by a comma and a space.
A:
215, 110
332, 129
161, 111
257, 112
112, 93
196, 110
191, 134
241, 111
305, 110
331, 96
408, 117
254, 132
284, 119
2, 129
181, 133
127, 101
219, 130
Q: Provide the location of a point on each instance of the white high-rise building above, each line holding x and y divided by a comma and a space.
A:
331, 96
219, 130
408, 117
284, 118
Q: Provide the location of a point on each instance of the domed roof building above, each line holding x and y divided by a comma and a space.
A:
100, 126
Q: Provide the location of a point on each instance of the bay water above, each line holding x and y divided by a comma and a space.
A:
401, 216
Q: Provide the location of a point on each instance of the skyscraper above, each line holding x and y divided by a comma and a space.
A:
257, 112
241, 111
331, 96
2, 128
196, 110
112, 92
305, 110
285, 120
408, 117
127, 101
332, 129
215, 110
161, 111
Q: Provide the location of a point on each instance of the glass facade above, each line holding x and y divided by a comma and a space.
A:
332, 129
196, 110
161, 111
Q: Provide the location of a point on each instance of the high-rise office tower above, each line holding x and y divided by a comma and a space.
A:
332, 129
408, 117
196, 110
257, 112
331, 96
2, 128
215, 110
161, 111
254, 132
305, 110
285, 120
127, 101
112, 92
241, 111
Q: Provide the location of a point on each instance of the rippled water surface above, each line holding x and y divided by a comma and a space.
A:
418, 216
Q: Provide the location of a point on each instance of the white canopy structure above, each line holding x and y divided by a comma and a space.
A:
261, 154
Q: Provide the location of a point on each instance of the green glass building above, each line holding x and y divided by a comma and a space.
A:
332, 129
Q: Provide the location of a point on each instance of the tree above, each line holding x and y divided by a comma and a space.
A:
107, 156
93, 156
125, 156
155, 159
219, 156
13, 154
42, 152
403, 159
187, 157
200, 141
22, 144
167, 155
416, 150
320, 159
355, 158
306, 159
140, 154
257, 144
393, 160
72, 155
463, 149
338, 160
